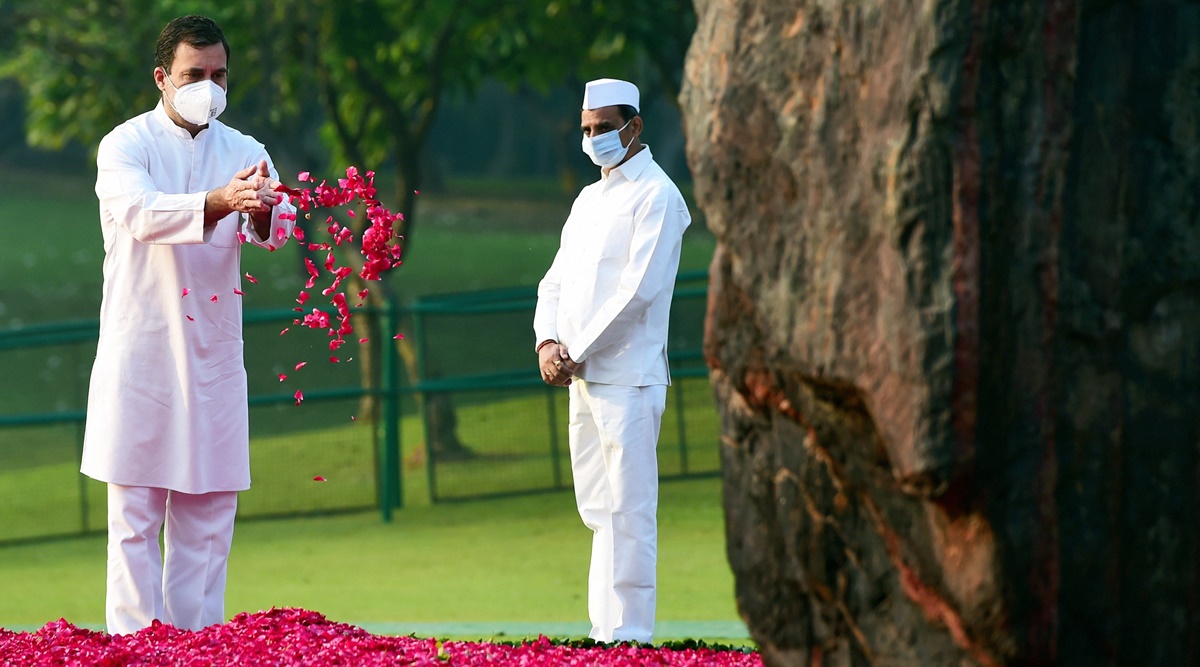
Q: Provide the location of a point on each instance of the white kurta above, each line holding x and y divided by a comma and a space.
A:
167, 406
607, 295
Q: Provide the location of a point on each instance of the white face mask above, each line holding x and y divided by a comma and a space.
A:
606, 149
198, 102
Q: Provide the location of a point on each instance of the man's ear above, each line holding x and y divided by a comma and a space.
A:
159, 76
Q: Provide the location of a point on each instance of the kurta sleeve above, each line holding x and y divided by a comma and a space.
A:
127, 194
545, 315
659, 224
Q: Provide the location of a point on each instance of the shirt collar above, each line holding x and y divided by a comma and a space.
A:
634, 166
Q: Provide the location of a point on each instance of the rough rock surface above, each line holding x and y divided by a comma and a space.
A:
954, 325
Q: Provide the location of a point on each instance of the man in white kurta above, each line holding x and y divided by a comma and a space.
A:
167, 424
601, 327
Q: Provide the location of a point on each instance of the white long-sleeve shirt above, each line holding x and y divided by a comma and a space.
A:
167, 405
607, 295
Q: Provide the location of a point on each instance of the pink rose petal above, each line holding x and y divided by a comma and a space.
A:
300, 365
186, 292
190, 318
251, 278
213, 298
295, 636
285, 330
318, 478
282, 377
299, 396
241, 237
238, 292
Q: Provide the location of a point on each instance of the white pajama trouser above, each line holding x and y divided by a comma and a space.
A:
188, 589
614, 461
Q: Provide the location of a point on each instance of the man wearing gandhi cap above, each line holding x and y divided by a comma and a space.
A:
601, 327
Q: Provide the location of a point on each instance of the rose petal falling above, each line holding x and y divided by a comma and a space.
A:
380, 246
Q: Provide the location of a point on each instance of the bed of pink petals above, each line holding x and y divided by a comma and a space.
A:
300, 637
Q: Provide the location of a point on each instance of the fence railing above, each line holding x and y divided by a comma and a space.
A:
461, 387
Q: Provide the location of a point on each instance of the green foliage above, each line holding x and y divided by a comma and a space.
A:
367, 77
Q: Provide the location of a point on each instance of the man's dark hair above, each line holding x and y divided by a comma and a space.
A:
627, 112
197, 31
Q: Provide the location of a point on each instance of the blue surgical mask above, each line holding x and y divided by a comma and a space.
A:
606, 149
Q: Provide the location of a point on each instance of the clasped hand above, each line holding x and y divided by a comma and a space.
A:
556, 365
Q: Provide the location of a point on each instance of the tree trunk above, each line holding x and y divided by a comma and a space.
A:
954, 325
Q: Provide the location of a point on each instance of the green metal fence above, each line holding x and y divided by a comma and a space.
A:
462, 389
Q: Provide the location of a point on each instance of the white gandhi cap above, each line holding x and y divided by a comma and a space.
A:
610, 92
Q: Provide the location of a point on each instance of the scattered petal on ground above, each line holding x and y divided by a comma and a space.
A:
292, 637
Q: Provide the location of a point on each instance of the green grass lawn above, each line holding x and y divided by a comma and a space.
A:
518, 560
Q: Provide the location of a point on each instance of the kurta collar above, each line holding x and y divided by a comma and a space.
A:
634, 166
160, 115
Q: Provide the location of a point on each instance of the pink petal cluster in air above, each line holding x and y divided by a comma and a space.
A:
299, 638
380, 248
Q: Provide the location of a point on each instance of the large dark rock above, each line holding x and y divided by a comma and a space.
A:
954, 325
